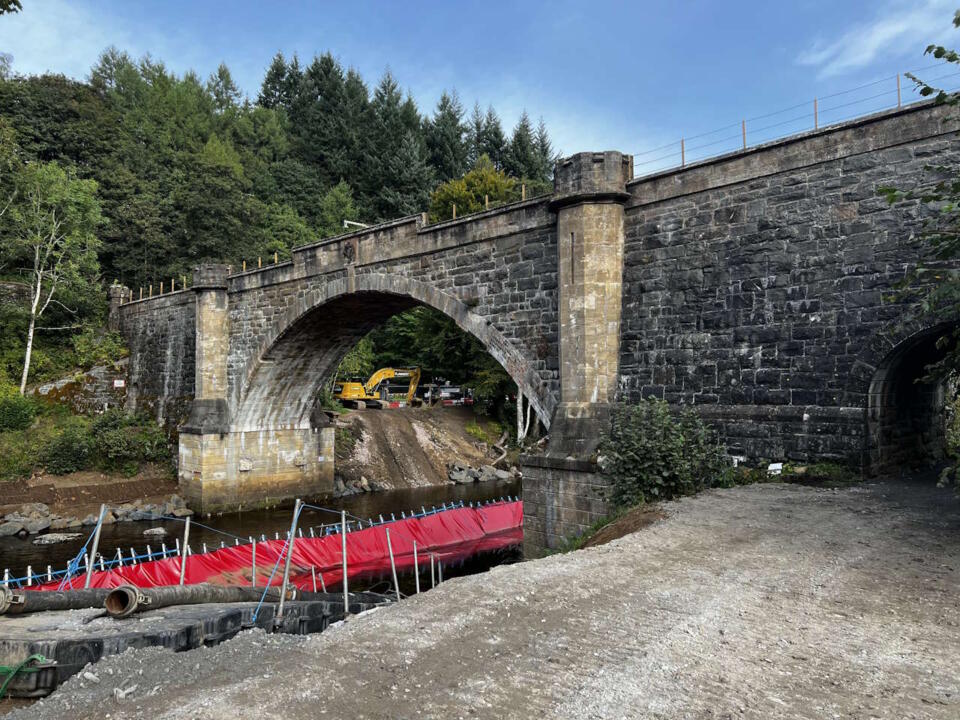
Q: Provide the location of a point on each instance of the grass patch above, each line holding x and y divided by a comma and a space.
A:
489, 432
578, 541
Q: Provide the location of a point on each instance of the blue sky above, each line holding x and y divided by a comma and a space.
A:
604, 75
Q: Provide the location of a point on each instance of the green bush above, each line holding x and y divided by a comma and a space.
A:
93, 347
654, 453
112, 419
16, 412
122, 443
70, 451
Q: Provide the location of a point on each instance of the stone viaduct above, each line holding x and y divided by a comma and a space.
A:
756, 287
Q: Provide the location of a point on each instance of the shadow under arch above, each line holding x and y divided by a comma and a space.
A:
306, 342
905, 419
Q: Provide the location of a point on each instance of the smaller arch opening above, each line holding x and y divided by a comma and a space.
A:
908, 406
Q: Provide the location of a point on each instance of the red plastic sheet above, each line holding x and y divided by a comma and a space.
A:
448, 534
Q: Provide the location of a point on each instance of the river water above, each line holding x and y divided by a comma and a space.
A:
17, 554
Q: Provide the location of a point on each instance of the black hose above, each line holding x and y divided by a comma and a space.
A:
27, 601
125, 600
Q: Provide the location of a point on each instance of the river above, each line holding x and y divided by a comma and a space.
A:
17, 554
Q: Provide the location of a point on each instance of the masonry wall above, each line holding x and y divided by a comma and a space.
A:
754, 286
160, 333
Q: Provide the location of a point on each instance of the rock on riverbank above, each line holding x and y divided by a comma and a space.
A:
36, 518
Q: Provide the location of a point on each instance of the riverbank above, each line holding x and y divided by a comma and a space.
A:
762, 601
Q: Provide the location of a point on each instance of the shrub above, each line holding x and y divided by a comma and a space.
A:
70, 451
16, 412
654, 453
93, 347
122, 443
112, 419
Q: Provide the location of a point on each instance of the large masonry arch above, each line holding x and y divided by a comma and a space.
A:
307, 342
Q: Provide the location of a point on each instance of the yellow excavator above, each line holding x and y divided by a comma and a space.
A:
353, 393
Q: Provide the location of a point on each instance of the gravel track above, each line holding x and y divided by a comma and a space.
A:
767, 601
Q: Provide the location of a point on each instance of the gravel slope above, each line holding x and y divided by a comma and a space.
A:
770, 601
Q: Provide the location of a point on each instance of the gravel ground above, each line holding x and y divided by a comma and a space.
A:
768, 601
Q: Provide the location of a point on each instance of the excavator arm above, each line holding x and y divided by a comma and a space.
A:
378, 377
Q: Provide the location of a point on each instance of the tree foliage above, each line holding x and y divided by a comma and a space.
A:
482, 185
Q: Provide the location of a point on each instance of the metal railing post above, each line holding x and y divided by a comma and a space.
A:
286, 565
96, 545
183, 550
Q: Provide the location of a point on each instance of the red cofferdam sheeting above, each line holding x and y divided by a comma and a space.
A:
448, 534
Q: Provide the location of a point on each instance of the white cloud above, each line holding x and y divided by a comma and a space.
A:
899, 28
57, 36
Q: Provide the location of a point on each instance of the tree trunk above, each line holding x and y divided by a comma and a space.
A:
519, 415
26, 357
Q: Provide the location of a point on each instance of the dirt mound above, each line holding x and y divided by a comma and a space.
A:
408, 447
631, 521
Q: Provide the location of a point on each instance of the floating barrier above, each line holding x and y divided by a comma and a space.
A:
449, 533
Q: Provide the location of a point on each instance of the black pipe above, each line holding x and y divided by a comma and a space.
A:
125, 600
27, 601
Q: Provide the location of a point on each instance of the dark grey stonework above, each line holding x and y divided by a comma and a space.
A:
160, 333
760, 289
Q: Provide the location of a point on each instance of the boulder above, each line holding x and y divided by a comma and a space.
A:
504, 475
35, 526
157, 531
62, 523
54, 538
177, 501
34, 509
11, 527
182, 512
488, 473
462, 477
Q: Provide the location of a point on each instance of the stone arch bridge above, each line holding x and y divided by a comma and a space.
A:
754, 287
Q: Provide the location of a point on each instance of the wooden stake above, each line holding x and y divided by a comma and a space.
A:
184, 278
253, 566
244, 266
313, 573
259, 262
486, 202
454, 211
151, 290
141, 293
523, 191
276, 257
161, 287
173, 284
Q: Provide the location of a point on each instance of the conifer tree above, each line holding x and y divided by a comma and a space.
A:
274, 89
446, 138
522, 160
